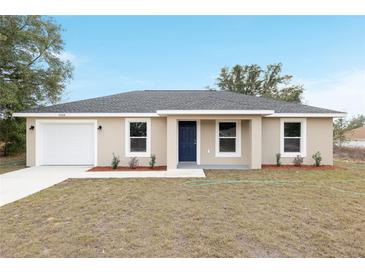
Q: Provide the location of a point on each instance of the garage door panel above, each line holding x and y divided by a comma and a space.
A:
67, 144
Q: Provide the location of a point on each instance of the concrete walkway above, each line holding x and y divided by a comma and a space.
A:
171, 173
21, 183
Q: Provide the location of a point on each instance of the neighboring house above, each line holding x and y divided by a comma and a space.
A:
355, 138
213, 129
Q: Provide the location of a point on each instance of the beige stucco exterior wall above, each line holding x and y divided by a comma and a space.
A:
255, 147
171, 144
319, 138
208, 143
110, 139
256, 142
30, 142
270, 139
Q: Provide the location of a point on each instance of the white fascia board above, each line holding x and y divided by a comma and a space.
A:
60, 115
214, 112
267, 113
318, 115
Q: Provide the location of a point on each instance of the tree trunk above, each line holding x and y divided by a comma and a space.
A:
6, 150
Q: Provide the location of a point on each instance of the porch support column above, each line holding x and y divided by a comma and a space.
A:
171, 143
256, 142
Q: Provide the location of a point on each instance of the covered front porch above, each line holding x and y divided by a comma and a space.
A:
214, 141
194, 165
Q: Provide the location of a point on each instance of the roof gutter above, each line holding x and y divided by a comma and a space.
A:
159, 113
314, 115
88, 114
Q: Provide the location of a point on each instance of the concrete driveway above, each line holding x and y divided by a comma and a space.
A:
21, 183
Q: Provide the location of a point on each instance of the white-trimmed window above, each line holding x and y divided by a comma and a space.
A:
138, 137
293, 137
228, 139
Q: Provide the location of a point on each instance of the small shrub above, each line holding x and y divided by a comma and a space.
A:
133, 162
317, 158
115, 161
298, 161
153, 161
278, 157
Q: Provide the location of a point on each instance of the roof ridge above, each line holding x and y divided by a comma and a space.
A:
167, 90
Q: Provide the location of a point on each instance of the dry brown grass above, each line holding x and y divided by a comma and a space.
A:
350, 153
264, 213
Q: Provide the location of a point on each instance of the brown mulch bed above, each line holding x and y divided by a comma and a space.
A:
302, 167
125, 168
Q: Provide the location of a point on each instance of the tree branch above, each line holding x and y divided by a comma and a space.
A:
39, 55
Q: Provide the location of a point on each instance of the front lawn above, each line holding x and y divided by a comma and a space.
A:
264, 213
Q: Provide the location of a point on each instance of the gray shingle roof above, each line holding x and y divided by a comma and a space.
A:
149, 101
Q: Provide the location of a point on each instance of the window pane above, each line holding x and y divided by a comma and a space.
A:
138, 144
292, 145
292, 129
138, 129
227, 145
227, 129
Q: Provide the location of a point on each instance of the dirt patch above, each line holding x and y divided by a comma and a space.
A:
124, 168
302, 167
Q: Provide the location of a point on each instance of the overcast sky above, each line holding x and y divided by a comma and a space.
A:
113, 54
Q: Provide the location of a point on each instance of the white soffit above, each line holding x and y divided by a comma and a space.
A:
266, 113
89, 114
318, 115
214, 112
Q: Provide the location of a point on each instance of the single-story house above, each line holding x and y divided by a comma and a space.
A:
211, 129
355, 137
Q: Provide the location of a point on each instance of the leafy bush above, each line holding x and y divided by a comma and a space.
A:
317, 158
12, 136
153, 160
298, 161
133, 162
278, 157
115, 161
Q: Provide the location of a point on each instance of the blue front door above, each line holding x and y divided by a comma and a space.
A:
187, 141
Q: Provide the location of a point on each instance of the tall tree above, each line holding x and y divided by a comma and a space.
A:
31, 71
341, 126
356, 121
253, 80
339, 129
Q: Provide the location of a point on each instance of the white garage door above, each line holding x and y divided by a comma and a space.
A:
63, 143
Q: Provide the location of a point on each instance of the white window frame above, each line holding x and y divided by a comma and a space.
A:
128, 153
303, 137
238, 139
